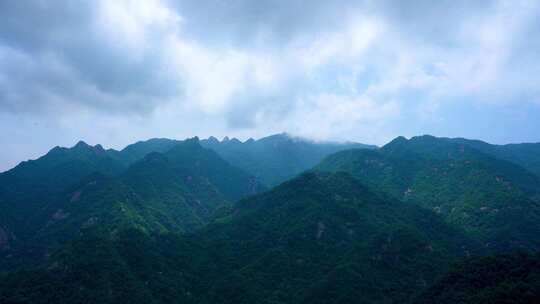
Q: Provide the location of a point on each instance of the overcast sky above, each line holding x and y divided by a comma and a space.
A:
114, 71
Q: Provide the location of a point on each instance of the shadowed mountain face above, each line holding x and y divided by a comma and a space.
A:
508, 279
272, 160
320, 238
28, 189
325, 238
490, 198
277, 158
49, 200
526, 155
166, 221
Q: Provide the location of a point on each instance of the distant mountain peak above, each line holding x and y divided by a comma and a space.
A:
399, 139
55, 149
212, 139
397, 142
279, 137
283, 134
81, 144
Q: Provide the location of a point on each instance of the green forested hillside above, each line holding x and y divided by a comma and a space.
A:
278, 157
27, 190
176, 191
497, 279
526, 155
131, 267
327, 239
167, 221
490, 198
316, 239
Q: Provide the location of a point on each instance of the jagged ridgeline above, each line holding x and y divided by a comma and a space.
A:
277, 158
53, 198
495, 200
169, 221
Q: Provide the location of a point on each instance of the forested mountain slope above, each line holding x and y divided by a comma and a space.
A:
166, 221
511, 279
27, 190
276, 158
493, 199
319, 238
174, 191
526, 155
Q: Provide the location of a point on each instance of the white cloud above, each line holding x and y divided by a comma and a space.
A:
132, 24
342, 47
327, 70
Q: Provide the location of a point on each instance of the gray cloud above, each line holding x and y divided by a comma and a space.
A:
54, 55
115, 71
268, 22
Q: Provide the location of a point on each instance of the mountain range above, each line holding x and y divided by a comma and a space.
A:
277, 158
275, 220
491, 198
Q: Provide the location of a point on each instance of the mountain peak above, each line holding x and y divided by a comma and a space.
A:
399, 139
99, 148
282, 135
396, 142
277, 137
81, 144
55, 150
212, 139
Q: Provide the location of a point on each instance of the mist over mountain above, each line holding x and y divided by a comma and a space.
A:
269, 152
278, 157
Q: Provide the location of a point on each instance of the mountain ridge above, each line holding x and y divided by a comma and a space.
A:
469, 188
177, 190
166, 221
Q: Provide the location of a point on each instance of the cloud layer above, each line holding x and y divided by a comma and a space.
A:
112, 72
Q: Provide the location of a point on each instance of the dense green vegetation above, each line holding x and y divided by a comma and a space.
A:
316, 239
501, 279
175, 191
526, 155
132, 267
492, 199
277, 158
27, 189
292, 244
166, 221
